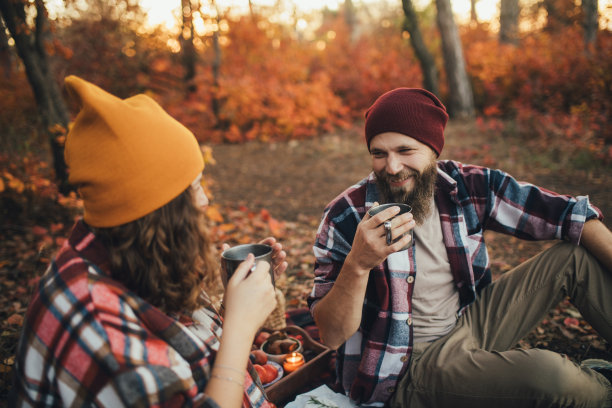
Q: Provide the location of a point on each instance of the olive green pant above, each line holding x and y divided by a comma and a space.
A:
477, 364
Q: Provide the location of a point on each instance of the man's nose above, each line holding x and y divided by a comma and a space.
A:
394, 165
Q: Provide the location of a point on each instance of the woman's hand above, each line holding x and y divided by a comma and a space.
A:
279, 265
249, 298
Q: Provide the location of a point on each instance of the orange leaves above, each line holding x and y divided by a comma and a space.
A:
213, 214
572, 322
15, 320
39, 231
13, 182
265, 214
241, 226
270, 87
547, 91
25, 176
207, 155
276, 227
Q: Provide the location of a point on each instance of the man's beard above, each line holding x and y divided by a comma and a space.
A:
419, 198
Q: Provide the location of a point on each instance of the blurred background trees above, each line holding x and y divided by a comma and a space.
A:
28, 26
235, 72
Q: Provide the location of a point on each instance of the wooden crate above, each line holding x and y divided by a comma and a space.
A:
285, 390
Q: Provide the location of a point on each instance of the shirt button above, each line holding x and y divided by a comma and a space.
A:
403, 359
390, 390
410, 279
409, 321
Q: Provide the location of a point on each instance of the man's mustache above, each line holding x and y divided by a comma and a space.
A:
402, 175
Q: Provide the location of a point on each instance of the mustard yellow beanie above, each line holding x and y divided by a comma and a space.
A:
127, 157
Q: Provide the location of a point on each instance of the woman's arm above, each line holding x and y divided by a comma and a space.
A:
248, 302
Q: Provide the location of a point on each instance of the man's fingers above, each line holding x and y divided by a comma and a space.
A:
367, 214
384, 215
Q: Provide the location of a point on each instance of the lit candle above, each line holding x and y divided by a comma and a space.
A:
293, 361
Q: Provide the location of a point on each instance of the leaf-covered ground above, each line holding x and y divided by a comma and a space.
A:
280, 189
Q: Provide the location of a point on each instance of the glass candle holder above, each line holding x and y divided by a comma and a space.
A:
293, 361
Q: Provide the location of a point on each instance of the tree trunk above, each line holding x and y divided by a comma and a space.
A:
350, 19
187, 47
508, 21
461, 98
216, 67
30, 44
559, 14
5, 51
591, 23
473, 15
426, 60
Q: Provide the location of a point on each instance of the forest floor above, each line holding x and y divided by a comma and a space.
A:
261, 189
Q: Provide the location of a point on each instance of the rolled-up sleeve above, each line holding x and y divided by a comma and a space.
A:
528, 211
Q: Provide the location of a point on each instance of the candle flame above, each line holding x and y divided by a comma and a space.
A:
294, 357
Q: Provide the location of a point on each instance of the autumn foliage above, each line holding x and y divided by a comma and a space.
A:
274, 84
550, 91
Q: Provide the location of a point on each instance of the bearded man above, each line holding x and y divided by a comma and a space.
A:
426, 326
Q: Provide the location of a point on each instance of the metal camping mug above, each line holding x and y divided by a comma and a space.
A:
404, 208
232, 257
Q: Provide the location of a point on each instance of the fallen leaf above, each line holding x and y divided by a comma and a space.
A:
39, 231
6, 365
571, 322
212, 212
15, 320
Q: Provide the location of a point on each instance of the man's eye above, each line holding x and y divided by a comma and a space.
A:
378, 155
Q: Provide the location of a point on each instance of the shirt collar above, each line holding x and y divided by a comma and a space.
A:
89, 247
445, 182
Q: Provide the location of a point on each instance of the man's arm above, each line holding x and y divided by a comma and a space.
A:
338, 313
597, 239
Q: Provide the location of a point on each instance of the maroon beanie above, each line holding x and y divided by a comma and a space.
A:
410, 111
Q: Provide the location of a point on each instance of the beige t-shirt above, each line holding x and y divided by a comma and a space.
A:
435, 300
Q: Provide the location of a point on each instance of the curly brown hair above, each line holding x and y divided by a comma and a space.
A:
166, 256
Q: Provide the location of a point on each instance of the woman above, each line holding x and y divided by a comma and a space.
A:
121, 317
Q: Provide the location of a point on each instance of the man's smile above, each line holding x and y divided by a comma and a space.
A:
400, 182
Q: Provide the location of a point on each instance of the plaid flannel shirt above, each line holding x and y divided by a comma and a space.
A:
470, 199
87, 340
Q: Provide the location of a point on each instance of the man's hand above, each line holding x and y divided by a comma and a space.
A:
370, 246
338, 314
